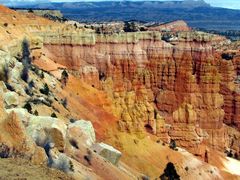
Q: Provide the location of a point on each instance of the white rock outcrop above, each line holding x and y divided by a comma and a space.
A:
85, 129
11, 98
47, 129
108, 152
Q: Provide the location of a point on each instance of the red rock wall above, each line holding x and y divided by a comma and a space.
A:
185, 83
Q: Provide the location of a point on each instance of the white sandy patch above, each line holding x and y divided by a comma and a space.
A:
232, 166
198, 170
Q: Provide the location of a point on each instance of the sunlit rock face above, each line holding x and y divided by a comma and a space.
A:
175, 87
174, 26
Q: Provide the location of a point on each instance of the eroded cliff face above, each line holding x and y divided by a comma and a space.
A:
175, 87
230, 90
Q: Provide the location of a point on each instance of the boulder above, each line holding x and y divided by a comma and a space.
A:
11, 98
16, 72
15, 76
82, 130
78, 138
108, 152
14, 141
39, 156
22, 114
45, 129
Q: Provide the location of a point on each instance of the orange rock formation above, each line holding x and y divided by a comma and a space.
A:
154, 83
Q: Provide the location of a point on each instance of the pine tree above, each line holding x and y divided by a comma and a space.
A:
26, 60
170, 173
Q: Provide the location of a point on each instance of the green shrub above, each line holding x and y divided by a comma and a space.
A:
4, 74
131, 27
172, 144
31, 84
71, 167
64, 78
4, 151
64, 102
26, 59
74, 143
230, 153
72, 120
37, 71
53, 115
9, 87
170, 172
64, 74
28, 107
35, 113
24, 74
28, 91
42, 75
45, 90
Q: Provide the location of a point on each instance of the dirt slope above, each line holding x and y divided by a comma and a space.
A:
22, 169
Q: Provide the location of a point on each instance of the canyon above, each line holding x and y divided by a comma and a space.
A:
180, 89
140, 90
